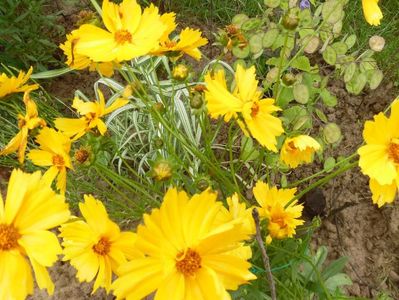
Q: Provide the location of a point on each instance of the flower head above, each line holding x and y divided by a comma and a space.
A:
9, 85
29, 121
379, 158
372, 12
54, 153
282, 220
298, 150
188, 255
78, 61
129, 33
96, 247
91, 113
255, 117
30, 210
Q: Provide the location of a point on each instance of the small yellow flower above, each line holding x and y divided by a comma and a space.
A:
180, 72
92, 113
26, 123
254, 115
54, 153
9, 85
162, 170
372, 12
379, 158
282, 221
30, 210
129, 33
96, 247
188, 43
79, 62
298, 150
187, 254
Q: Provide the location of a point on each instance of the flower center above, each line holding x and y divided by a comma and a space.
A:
188, 262
393, 152
122, 36
58, 161
291, 146
254, 110
102, 247
21, 122
170, 44
9, 236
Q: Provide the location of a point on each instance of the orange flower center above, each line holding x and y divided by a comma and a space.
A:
254, 109
102, 247
58, 161
291, 146
9, 236
170, 44
188, 262
280, 221
122, 36
393, 152
21, 122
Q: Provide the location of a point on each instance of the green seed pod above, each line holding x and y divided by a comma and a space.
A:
158, 143
203, 184
159, 107
290, 21
332, 133
196, 101
289, 79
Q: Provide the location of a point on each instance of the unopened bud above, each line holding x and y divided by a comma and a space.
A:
289, 79
180, 72
162, 171
196, 101
290, 21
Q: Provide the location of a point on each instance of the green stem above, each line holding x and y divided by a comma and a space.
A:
280, 66
97, 7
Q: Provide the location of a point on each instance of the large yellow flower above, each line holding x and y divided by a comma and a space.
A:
129, 33
299, 149
30, 210
96, 247
188, 43
79, 62
9, 85
91, 112
372, 12
379, 158
26, 123
282, 221
54, 153
187, 255
255, 116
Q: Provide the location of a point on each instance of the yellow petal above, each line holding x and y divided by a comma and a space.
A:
41, 158
372, 12
104, 275
71, 127
383, 194
43, 279
115, 105
172, 287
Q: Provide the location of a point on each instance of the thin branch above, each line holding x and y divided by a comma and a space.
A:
266, 261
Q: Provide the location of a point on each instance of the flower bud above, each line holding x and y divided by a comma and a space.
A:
290, 21
180, 72
196, 101
377, 43
158, 143
289, 79
162, 170
159, 107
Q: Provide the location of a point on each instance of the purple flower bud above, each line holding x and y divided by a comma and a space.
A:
304, 4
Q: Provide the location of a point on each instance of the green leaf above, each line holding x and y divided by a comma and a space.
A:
374, 78
350, 41
357, 83
272, 3
241, 52
321, 115
337, 281
340, 48
239, 19
332, 11
329, 164
334, 267
301, 93
301, 63
247, 149
255, 43
251, 24
350, 70
328, 99
330, 56
332, 133
270, 37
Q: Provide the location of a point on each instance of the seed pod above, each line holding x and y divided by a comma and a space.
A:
332, 133
377, 43
290, 21
196, 101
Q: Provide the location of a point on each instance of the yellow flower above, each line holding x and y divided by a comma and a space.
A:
379, 158
130, 33
26, 123
187, 255
372, 12
9, 85
96, 247
255, 116
298, 150
91, 112
188, 43
79, 62
282, 221
54, 152
31, 209
238, 211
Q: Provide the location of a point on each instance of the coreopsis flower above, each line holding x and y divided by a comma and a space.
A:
254, 114
186, 254
53, 153
298, 150
30, 121
188, 43
238, 211
78, 61
129, 33
379, 158
9, 85
372, 12
95, 246
91, 113
30, 210
281, 221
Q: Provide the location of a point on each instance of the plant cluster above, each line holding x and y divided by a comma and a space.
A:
200, 161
